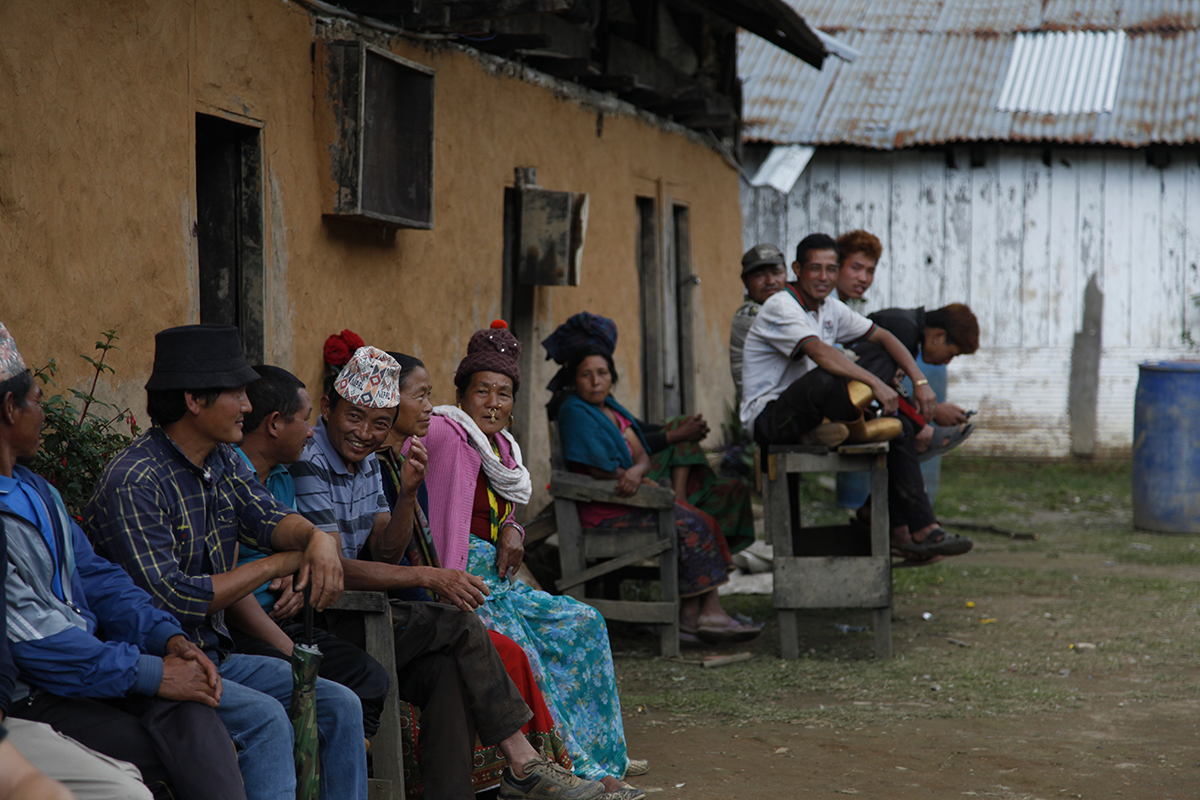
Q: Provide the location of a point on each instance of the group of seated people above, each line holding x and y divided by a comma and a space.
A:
156, 626
810, 370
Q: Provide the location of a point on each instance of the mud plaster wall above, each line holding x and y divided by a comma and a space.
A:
97, 198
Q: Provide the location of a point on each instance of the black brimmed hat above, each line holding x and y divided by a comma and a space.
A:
199, 357
761, 255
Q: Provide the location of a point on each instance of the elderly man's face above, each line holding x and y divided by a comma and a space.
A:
356, 431
765, 281
27, 423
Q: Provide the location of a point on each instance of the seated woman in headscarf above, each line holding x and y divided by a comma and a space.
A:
600, 438
674, 446
474, 481
412, 420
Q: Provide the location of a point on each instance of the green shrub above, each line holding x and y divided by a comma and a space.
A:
77, 443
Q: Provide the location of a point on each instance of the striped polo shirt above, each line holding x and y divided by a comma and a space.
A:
335, 499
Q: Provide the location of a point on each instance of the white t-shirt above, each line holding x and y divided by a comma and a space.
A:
772, 359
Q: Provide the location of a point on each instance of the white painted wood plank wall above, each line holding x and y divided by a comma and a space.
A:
1018, 239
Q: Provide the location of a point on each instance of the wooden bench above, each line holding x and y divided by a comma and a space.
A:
387, 757
592, 555
840, 566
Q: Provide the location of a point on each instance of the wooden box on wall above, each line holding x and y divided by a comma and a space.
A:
552, 229
374, 125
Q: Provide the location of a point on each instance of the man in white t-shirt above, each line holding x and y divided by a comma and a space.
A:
794, 379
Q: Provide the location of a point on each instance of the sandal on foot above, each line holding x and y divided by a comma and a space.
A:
939, 542
947, 438
729, 634
637, 766
624, 793
688, 636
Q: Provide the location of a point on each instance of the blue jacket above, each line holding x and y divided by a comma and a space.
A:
53, 638
8, 669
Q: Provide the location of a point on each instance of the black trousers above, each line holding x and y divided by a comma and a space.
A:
341, 662
446, 666
819, 394
182, 748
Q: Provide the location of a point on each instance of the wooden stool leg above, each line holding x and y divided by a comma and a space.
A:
789, 633
883, 633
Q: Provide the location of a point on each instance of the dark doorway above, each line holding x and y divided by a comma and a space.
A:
229, 228
666, 282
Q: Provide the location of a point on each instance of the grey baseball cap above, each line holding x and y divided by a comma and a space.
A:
761, 255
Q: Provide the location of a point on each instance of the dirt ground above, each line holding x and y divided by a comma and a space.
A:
990, 697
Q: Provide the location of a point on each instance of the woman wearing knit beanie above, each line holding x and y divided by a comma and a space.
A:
475, 480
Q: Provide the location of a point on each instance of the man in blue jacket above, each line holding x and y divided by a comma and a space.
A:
118, 693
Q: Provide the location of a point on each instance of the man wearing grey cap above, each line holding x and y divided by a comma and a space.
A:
764, 272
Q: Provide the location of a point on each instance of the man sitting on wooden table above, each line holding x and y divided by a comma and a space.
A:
800, 390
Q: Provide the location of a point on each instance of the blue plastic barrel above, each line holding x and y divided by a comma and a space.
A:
853, 488
1166, 447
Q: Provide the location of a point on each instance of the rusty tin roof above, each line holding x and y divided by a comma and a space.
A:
933, 71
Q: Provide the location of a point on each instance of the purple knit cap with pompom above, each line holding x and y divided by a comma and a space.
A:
492, 349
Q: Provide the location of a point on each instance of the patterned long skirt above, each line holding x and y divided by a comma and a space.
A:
701, 548
566, 642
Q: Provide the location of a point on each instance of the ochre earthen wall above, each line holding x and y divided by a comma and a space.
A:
97, 197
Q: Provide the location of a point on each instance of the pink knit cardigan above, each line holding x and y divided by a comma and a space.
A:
451, 479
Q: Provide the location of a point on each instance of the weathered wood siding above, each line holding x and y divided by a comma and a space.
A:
1018, 240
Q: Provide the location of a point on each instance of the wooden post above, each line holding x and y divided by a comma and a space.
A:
881, 547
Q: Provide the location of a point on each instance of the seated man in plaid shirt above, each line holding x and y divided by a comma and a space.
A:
170, 510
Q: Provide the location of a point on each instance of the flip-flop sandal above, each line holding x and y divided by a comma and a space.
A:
730, 634
939, 542
688, 636
947, 437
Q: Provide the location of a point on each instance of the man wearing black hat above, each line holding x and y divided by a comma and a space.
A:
764, 273
84, 651
171, 508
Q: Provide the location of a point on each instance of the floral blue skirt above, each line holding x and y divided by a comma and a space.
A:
567, 645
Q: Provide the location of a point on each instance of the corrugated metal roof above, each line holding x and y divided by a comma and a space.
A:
932, 72
1063, 72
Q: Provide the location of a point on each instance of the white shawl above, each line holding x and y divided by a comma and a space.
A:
513, 484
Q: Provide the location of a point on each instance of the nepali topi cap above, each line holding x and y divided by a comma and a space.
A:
11, 363
195, 357
761, 255
370, 379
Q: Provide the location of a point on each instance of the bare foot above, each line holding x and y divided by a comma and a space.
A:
611, 784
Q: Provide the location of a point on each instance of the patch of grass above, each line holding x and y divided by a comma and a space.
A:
983, 488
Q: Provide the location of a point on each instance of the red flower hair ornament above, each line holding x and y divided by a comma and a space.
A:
340, 347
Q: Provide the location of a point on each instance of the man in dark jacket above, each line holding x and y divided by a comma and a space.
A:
117, 693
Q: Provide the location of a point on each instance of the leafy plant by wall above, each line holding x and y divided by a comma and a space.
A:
77, 443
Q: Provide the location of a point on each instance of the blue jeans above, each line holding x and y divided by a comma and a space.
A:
254, 707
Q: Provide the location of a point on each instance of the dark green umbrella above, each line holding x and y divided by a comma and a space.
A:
306, 658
